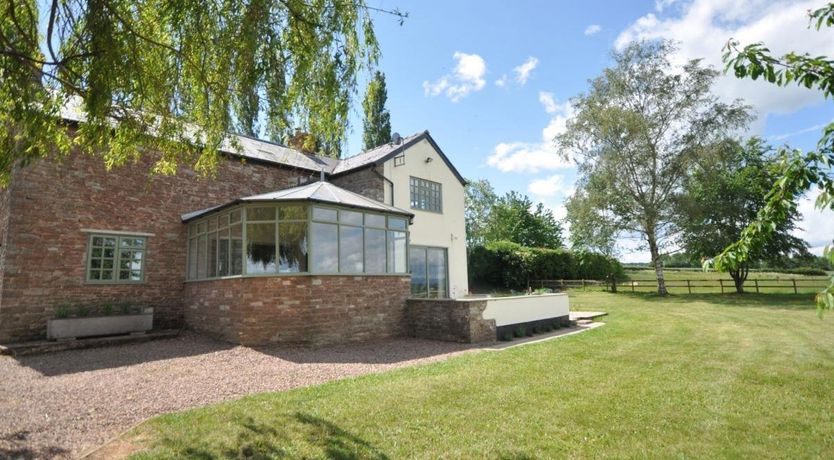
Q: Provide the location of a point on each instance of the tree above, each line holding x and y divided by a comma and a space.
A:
513, 218
722, 195
175, 76
479, 200
377, 123
798, 172
636, 133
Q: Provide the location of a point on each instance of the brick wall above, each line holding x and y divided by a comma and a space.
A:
302, 310
4, 223
49, 204
365, 182
450, 320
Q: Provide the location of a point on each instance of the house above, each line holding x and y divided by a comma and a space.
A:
279, 247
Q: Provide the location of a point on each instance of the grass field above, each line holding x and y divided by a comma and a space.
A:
685, 376
707, 282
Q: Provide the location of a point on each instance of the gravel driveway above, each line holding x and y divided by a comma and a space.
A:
57, 405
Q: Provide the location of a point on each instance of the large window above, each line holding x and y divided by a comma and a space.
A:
116, 259
426, 195
429, 272
270, 239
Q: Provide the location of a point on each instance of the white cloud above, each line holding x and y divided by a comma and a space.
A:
550, 187
525, 70
592, 29
702, 28
548, 101
502, 82
532, 157
467, 77
816, 226
810, 129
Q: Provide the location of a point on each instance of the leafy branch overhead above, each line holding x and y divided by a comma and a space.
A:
158, 73
798, 171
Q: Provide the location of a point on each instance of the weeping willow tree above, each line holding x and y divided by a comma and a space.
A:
176, 76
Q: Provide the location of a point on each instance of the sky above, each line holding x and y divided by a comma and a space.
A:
492, 80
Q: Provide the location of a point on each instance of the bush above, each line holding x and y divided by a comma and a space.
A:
520, 331
507, 265
805, 271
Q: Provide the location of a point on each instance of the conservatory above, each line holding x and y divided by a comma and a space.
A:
313, 229
310, 265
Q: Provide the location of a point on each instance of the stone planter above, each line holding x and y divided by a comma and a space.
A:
65, 328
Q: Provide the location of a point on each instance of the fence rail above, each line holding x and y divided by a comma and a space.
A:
698, 286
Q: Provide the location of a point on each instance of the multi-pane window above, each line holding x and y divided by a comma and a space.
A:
116, 259
429, 272
268, 239
426, 195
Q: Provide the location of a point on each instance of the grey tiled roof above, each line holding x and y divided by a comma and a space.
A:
317, 192
262, 150
375, 154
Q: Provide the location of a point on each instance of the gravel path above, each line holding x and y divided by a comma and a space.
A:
57, 405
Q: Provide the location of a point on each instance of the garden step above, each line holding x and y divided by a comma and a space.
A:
49, 346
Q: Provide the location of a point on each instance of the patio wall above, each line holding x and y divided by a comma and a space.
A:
302, 310
482, 319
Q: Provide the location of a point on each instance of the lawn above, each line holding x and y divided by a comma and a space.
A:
687, 376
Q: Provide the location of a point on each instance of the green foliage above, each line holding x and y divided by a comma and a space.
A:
508, 265
62, 311
377, 123
722, 195
805, 271
631, 158
176, 76
82, 311
107, 309
512, 217
520, 331
797, 172
479, 200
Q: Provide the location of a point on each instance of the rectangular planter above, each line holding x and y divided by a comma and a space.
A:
65, 328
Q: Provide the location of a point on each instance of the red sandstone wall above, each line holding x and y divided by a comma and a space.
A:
304, 310
45, 249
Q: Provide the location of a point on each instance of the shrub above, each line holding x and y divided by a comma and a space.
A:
507, 337
805, 271
82, 311
107, 309
520, 331
62, 312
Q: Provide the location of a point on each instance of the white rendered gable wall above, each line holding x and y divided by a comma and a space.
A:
446, 230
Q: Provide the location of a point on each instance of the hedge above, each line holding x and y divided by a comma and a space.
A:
508, 265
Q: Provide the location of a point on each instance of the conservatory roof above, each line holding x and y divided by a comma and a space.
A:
316, 192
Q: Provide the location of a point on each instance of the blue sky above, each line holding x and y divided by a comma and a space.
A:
490, 79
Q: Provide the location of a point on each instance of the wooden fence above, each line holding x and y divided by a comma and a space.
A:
698, 286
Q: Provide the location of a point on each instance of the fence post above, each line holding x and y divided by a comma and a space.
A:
757, 285
688, 287
562, 284
722, 285
794, 286
632, 285
583, 284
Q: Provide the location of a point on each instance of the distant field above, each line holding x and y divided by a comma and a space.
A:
709, 282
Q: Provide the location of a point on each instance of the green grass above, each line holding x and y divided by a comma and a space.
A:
707, 282
688, 376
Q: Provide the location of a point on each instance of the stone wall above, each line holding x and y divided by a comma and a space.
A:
300, 310
450, 320
51, 202
366, 182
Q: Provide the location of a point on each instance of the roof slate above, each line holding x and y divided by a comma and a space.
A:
317, 192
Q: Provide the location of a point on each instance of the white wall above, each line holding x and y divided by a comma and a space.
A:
522, 309
447, 230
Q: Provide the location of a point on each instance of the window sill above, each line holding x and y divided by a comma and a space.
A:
285, 275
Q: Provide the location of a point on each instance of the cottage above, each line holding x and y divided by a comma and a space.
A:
280, 247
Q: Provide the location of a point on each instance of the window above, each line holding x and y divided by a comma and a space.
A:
429, 272
426, 195
116, 259
399, 160
277, 239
